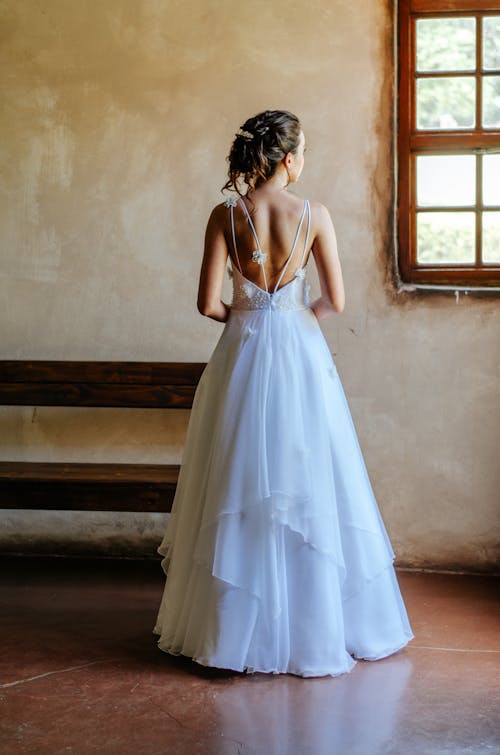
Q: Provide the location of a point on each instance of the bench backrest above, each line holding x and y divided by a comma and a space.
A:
69, 383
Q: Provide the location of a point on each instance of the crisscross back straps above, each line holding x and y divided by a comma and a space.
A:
306, 205
234, 240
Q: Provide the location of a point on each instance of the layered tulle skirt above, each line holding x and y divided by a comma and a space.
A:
276, 555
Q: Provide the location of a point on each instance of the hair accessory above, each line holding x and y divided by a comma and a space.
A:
245, 134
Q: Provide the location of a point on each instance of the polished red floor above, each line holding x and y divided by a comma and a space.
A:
81, 673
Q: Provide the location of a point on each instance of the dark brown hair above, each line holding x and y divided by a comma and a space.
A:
260, 145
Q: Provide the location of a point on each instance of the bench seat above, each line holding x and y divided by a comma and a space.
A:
91, 486
78, 486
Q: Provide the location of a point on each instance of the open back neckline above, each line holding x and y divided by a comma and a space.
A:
258, 255
264, 291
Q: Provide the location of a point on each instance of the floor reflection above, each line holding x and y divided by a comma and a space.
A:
355, 713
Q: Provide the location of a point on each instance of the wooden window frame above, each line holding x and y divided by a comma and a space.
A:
412, 143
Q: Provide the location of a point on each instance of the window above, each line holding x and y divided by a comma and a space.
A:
449, 142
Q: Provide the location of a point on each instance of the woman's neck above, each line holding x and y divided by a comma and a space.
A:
273, 185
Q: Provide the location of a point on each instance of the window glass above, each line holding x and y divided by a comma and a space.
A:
446, 103
491, 43
446, 44
491, 179
491, 237
446, 180
491, 102
445, 237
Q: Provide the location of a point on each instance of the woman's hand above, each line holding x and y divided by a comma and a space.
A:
321, 308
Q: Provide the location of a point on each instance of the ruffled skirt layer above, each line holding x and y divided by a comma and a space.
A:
276, 555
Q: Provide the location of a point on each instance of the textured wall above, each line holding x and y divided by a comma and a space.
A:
116, 123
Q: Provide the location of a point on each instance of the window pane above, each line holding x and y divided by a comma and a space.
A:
491, 43
446, 103
491, 101
491, 237
445, 237
446, 180
446, 44
491, 179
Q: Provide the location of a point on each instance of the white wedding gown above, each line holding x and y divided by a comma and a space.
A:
276, 555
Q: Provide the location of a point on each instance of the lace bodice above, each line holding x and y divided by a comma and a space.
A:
247, 295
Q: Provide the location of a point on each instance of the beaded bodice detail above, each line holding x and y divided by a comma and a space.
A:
247, 295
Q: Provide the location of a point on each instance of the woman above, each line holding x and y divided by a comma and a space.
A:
276, 555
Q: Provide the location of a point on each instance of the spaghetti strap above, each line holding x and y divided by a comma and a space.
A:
294, 245
307, 234
234, 240
251, 224
306, 207
260, 256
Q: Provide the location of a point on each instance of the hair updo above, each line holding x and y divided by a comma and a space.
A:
260, 145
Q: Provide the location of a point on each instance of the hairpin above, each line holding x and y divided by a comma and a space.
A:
245, 134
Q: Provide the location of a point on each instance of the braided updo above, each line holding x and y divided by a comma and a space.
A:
260, 145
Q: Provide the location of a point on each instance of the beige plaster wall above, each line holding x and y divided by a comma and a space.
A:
116, 122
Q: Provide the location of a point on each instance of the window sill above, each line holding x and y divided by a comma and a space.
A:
424, 288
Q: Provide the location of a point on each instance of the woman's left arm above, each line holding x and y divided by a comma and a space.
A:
213, 268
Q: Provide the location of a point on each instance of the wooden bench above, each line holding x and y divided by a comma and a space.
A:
93, 486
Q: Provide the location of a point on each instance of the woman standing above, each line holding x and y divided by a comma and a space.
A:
276, 555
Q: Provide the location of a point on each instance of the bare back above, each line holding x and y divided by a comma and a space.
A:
262, 228
281, 230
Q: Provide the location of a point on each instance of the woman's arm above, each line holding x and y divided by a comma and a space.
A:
213, 268
327, 261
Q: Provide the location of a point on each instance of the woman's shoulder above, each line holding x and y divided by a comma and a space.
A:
318, 207
320, 215
220, 211
319, 210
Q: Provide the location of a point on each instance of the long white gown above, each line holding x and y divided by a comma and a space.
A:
276, 555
